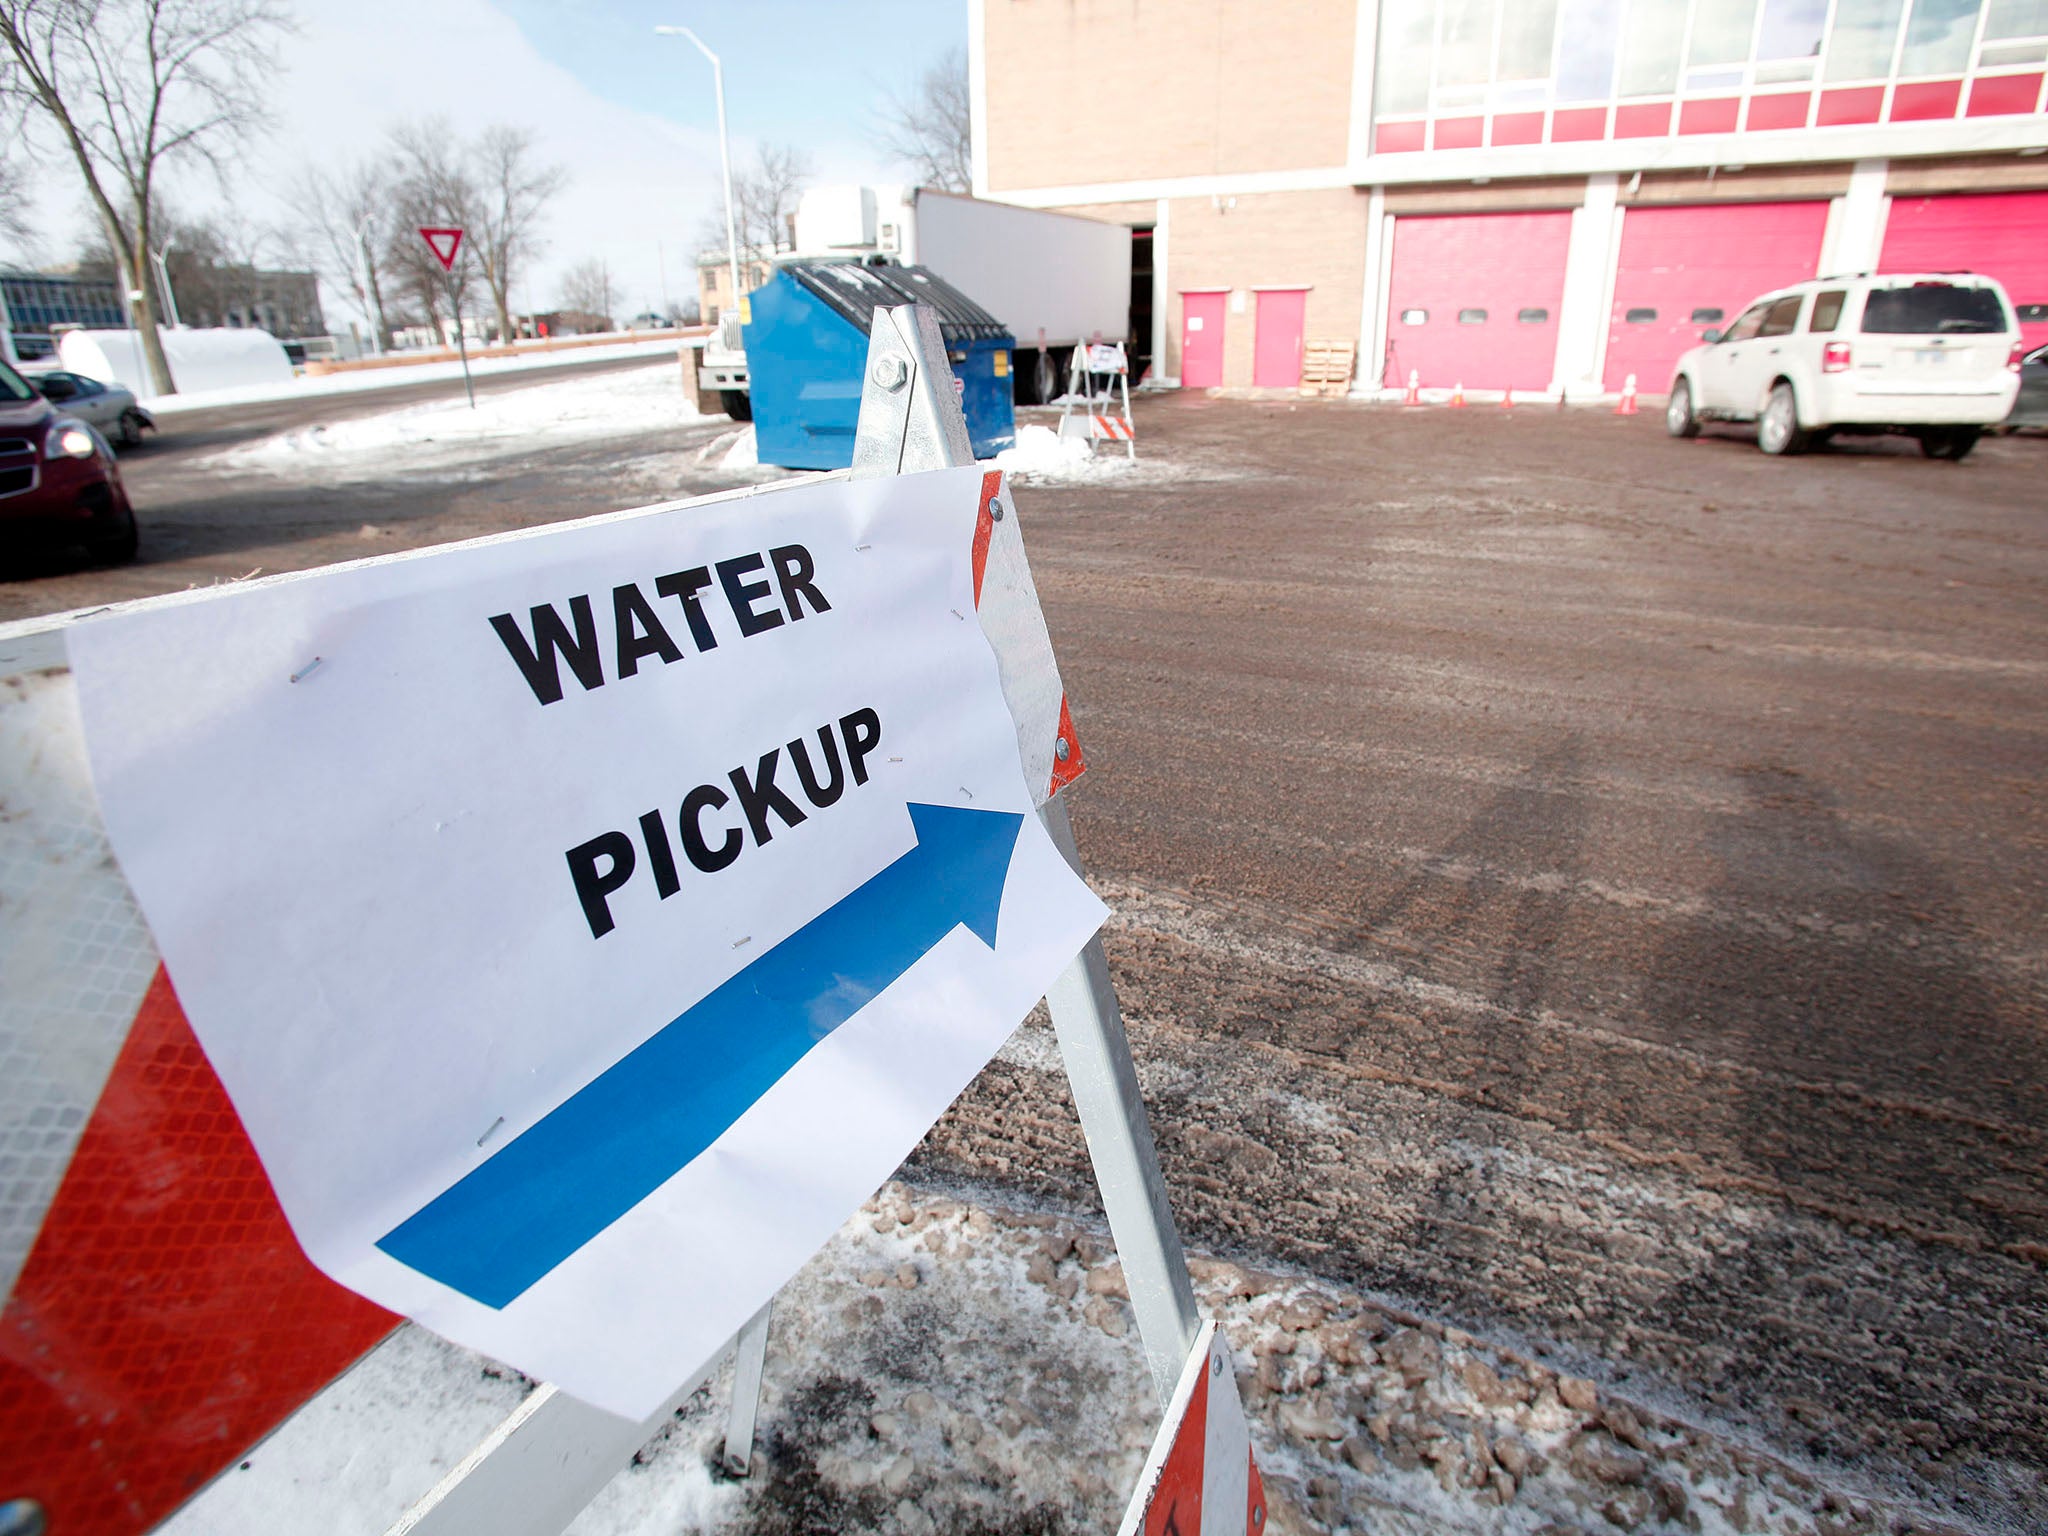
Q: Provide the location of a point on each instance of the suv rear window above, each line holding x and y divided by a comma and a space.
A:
1932, 309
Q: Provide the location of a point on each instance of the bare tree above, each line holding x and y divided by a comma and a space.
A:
127, 86
764, 197
587, 288
347, 217
512, 190
932, 131
13, 202
436, 189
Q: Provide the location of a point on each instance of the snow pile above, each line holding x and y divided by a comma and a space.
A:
1043, 454
370, 380
440, 434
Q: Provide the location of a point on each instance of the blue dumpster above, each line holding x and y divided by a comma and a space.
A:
807, 349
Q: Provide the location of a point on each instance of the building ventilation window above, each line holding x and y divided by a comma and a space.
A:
1533, 316
1640, 316
1414, 317
2032, 314
1471, 317
1708, 316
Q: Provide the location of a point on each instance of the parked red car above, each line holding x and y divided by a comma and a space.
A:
59, 484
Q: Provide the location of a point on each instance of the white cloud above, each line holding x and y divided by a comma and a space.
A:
638, 187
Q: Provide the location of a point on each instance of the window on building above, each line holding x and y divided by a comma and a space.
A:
1528, 33
1782, 318
1707, 316
1864, 35
1827, 310
1652, 36
1790, 32
1721, 34
1415, 317
1585, 69
1471, 317
1464, 47
1640, 317
2015, 18
1533, 316
1407, 34
1938, 37
2031, 314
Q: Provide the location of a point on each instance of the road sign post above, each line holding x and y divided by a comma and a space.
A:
446, 244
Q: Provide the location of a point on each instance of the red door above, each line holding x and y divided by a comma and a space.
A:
1201, 340
2000, 234
1474, 298
1276, 346
1684, 271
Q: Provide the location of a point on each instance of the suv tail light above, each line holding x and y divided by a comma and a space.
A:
1834, 357
2012, 358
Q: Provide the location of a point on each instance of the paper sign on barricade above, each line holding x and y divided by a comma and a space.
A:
584, 924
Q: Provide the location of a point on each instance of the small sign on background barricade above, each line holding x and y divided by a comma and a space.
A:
160, 1317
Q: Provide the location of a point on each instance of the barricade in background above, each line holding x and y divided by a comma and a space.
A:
159, 1316
1097, 404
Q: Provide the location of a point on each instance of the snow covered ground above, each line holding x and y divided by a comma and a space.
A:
1043, 455
370, 380
444, 435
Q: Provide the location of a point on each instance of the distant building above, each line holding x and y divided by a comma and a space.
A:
756, 267
34, 304
286, 304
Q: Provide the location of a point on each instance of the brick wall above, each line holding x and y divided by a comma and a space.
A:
1267, 239
1087, 91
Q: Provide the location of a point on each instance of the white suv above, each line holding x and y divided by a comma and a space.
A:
1933, 354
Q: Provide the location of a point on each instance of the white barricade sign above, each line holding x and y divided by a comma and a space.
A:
583, 924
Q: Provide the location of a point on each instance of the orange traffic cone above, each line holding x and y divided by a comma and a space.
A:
1507, 399
1627, 407
1458, 393
1414, 395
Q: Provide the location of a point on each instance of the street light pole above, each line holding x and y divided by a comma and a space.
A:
732, 242
370, 303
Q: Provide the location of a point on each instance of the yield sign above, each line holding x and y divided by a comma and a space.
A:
444, 243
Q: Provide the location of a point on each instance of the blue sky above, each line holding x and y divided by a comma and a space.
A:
629, 114
802, 71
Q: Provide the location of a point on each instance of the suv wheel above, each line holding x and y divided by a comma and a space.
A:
1679, 419
1778, 432
1948, 442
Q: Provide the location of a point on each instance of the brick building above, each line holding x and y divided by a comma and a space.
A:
1526, 194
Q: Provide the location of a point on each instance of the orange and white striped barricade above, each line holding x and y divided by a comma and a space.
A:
161, 1319
1097, 404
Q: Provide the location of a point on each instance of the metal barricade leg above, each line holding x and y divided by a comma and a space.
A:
1104, 1080
749, 1355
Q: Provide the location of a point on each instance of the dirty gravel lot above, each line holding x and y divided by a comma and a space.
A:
1583, 888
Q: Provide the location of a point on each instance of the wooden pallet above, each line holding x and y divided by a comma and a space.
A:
1326, 367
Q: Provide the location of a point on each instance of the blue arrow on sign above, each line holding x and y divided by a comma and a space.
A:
599, 1153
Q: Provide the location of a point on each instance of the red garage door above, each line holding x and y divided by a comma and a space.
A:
1683, 271
2001, 234
1474, 299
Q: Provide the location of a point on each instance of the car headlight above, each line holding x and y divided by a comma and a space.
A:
73, 439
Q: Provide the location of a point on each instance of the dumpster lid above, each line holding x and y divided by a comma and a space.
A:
855, 289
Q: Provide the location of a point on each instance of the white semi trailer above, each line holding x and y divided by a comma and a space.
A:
1056, 281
